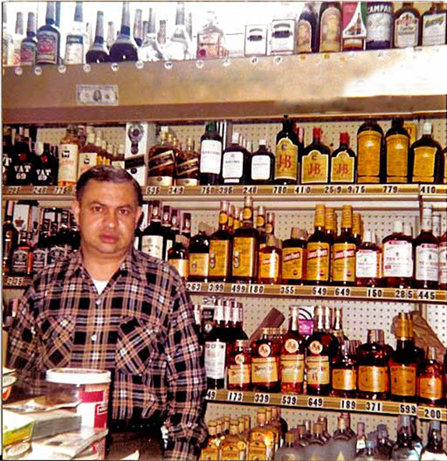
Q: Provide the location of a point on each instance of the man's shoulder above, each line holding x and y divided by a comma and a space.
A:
149, 265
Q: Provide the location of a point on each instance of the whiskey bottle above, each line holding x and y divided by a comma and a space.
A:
199, 248
294, 256
434, 449
75, 43
430, 377
343, 162
442, 253
330, 27
337, 328
98, 51
89, 154
46, 166
262, 439
211, 449
344, 372
17, 38
124, 48
169, 234
404, 447
179, 46
210, 155
426, 256
269, 265
317, 443
22, 255
211, 39
245, 247
49, 38
178, 256
434, 25
161, 161
436, 225
153, 236
40, 250
425, 159
368, 263
238, 320
370, 153
9, 237
239, 366
185, 228
286, 158
138, 27
379, 24
397, 149
68, 158
262, 165
264, 363
187, 165
235, 162
407, 26
233, 446
397, 258
321, 348
221, 248
28, 47
315, 161
306, 35
292, 355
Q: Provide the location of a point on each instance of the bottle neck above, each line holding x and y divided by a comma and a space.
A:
125, 20
99, 32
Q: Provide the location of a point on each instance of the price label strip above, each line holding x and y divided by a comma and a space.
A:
438, 414
97, 95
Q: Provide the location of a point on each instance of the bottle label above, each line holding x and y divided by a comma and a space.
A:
344, 262
28, 53
434, 29
187, 170
368, 151
372, 378
397, 259
39, 259
318, 261
19, 261
229, 452
198, 264
215, 352
286, 165
292, 369
378, 22
74, 50
443, 263
47, 47
232, 166
330, 30
260, 167
282, 36
68, 163
244, 256
239, 374
368, 264
315, 168
255, 40
354, 29
403, 380
430, 387
182, 266
87, 160
342, 169
268, 265
293, 263
210, 453
344, 380
397, 158
304, 36
56, 252
210, 156
152, 245
424, 164
162, 164
264, 370
427, 262
406, 30
257, 450
318, 371
219, 258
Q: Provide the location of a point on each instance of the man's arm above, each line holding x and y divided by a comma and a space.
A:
186, 381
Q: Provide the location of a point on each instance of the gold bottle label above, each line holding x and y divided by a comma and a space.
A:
430, 387
344, 262
229, 452
403, 380
397, 158
286, 163
315, 168
244, 257
330, 31
260, 221
269, 265
304, 37
424, 164
257, 451
344, 380
292, 368
318, 261
264, 370
210, 453
219, 258
198, 264
293, 263
368, 147
318, 370
342, 168
239, 374
372, 378
182, 266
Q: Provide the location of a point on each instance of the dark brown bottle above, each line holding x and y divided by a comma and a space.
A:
344, 372
124, 48
161, 161
262, 165
294, 258
370, 153
178, 256
316, 161
430, 377
265, 363
210, 155
235, 163
397, 152
187, 165
199, 248
98, 51
269, 265
10, 237
343, 163
286, 158
22, 255
407, 26
152, 238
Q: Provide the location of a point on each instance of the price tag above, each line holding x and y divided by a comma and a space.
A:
235, 396
333, 189
216, 287
14, 190
238, 288
373, 406
344, 292
279, 190
224, 190
408, 409
356, 189
15, 281
152, 190
401, 293
194, 286
427, 295
60, 190
426, 189
207, 190
319, 291
176, 190
315, 402
261, 398
432, 413
211, 394
40, 190
348, 404
97, 95
390, 189
374, 293
303, 190
291, 400
287, 290
250, 190
256, 289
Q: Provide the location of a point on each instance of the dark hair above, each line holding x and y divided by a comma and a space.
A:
107, 173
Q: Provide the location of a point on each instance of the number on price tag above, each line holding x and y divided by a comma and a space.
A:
348, 404
315, 402
373, 406
13, 190
374, 293
333, 189
427, 295
261, 398
432, 413
250, 189
428, 189
390, 189
152, 190
287, 290
303, 189
207, 190
224, 190
216, 287
238, 288
194, 286
256, 289
211, 394
356, 189
278, 190
319, 291
40, 190
235, 396
403, 294
291, 400
60, 190
408, 409
176, 190
342, 292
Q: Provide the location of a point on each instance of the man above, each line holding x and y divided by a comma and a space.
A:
109, 306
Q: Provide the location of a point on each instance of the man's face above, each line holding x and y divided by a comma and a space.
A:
107, 216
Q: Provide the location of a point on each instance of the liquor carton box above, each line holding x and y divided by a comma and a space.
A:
26, 215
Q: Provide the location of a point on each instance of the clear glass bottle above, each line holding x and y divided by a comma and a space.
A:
179, 46
124, 47
75, 44
211, 39
150, 49
403, 448
434, 450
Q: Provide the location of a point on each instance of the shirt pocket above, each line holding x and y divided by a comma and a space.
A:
57, 340
136, 346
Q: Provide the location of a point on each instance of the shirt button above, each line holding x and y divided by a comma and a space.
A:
98, 302
94, 337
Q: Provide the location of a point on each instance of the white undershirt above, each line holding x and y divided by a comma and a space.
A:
100, 285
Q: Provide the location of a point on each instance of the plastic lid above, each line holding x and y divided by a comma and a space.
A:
427, 128
235, 137
367, 237
77, 376
397, 227
262, 142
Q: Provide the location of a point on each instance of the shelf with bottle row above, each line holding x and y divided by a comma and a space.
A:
377, 407
362, 83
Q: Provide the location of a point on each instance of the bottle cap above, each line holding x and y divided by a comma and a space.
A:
427, 128
397, 227
262, 142
316, 132
235, 137
367, 236
344, 138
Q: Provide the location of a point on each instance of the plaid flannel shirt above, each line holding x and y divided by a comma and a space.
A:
141, 328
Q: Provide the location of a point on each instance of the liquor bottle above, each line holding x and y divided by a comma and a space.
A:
17, 39
89, 154
98, 51
210, 155
321, 348
255, 43
353, 34
407, 26
169, 234
7, 40
22, 162
187, 165
426, 257
269, 264
270, 224
397, 256
46, 165
124, 48
434, 449
379, 24
384, 444
75, 44
211, 448
68, 158
199, 248
220, 249
49, 39
289, 450
442, 253
316, 448
238, 320
369, 453
179, 46
153, 235
436, 225
404, 362
161, 161
265, 363
178, 256
292, 355
262, 439
138, 27
185, 228
357, 226
260, 225
434, 25
245, 247
286, 158
239, 366
368, 263
344, 251
330, 224
430, 377
9, 237
403, 447
315, 161
233, 446
28, 47
22, 255
111, 35
330, 27
342, 445
306, 35
397, 148
294, 258
235, 163
150, 49
344, 372
343, 162
372, 368
318, 251
337, 328
211, 39
262, 165
370, 152
40, 250
360, 443
425, 161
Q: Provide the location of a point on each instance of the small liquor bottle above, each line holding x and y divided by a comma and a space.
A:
379, 25
199, 255
124, 48
337, 329
210, 155
40, 250
368, 263
89, 154
68, 158
407, 28
179, 46
292, 355
294, 256
260, 225
235, 163
330, 27
46, 166
161, 161
9, 237
442, 252
306, 35
233, 445
98, 51
286, 158
75, 45
28, 47
269, 265
315, 161
49, 38
370, 152
344, 372
330, 224
343, 162
262, 165
434, 25
187, 165
436, 225
264, 358
397, 149
430, 377
239, 366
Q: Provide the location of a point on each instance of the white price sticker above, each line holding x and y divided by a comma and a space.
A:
261, 398
315, 402
235, 396
211, 394
97, 95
